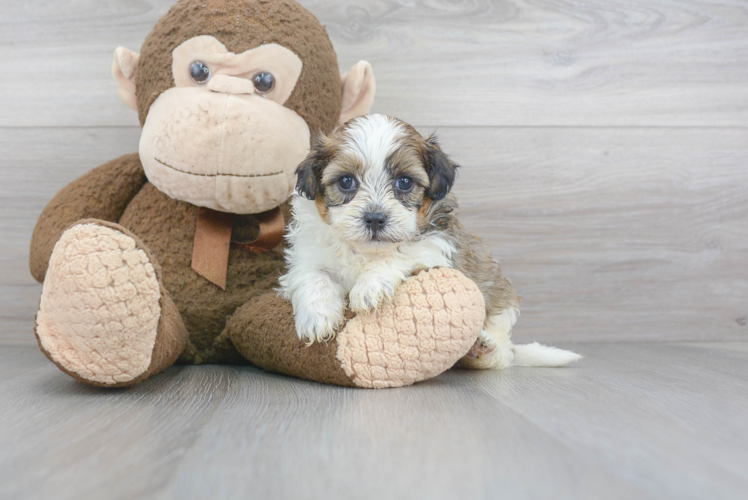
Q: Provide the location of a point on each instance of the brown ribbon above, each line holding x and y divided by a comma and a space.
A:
272, 225
210, 250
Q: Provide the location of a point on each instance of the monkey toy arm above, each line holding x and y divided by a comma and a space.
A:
103, 193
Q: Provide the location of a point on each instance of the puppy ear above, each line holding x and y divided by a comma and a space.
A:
440, 169
310, 170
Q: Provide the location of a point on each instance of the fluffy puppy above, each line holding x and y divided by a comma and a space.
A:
373, 207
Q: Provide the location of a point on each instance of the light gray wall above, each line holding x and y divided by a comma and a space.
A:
604, 144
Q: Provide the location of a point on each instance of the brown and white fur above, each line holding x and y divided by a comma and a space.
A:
357, 234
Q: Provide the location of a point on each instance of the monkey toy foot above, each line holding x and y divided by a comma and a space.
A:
104, 317
431, 322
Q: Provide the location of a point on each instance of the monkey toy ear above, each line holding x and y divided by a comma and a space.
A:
123, 70
359, 87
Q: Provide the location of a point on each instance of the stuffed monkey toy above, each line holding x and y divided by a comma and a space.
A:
173, 253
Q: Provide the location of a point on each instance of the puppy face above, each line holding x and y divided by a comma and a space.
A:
374, 180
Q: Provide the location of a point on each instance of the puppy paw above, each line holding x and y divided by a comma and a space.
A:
488, 354
482, 347
368, 294
320, 322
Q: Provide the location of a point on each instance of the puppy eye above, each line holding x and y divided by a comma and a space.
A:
347, 183
200, 72
264, 82
404, 184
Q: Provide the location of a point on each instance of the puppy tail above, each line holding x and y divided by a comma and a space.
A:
542, 355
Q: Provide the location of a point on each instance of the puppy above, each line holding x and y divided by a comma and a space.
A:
373, 208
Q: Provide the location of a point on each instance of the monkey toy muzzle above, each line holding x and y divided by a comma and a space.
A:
222, 138
221, 150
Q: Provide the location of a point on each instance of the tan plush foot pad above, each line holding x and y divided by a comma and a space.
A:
431, 323
99, 310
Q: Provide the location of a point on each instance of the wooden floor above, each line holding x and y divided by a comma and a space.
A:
604, 153
632, 420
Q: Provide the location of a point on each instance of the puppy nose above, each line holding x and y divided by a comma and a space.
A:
375, 220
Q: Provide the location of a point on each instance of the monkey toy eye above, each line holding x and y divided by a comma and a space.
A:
264, 82
347, 183
200, 72
404, 184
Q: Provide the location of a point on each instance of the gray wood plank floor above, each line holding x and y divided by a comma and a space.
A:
631, 420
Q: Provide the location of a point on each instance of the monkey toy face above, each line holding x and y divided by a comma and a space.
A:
229, 94
222, 137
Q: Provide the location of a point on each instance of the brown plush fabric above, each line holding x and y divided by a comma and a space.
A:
167, 227
103, 193
263, 331
240, 26
171, 338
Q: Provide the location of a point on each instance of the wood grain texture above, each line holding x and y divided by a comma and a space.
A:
438, 62
605, 160
629, 421
613, 233
35, 163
